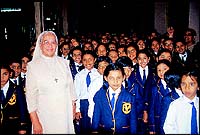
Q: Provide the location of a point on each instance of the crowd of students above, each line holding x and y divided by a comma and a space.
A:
125, 83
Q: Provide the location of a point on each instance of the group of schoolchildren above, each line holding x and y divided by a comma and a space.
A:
14, 114
123, 87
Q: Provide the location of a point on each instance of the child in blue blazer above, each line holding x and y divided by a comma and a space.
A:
172, 80
13, 107
115, 109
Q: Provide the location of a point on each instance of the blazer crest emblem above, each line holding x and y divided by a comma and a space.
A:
126, 107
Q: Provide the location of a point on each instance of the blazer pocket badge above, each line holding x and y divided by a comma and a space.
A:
12, 100
126, 107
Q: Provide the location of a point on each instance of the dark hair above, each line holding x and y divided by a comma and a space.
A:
192, 71
27, 56
100, 59
164, 61
132, 45
6, 66
162, 51
168, 38
179, 40
64, 43
193, 32
155, 39
145, 51
172, 79
89, 52
15, 60
101, 44
113, 66
75, 48
125, 61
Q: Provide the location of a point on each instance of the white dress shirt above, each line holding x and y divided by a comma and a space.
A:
5, 89
77, 66
23, 75
141, 71
183, 56
81, 89
117, 92
93, 88
178, 120
13, 80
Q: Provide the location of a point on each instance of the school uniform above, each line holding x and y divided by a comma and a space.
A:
13, 110
182, 60
158, 92
166, 100
142, 91
19, 81
178, 120
93, 88
127, 84
22, 82
82, 92
23, 79
66, 57
118, 120
75, 68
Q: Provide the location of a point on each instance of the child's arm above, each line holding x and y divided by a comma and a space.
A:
133, 119
169, 125
23, 110
96, 115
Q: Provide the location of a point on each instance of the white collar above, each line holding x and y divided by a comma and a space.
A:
179, 92
77, 64
141, 69
183, 55
164, 83
189, 100
5, 88
117, 91
23, 75
12, 79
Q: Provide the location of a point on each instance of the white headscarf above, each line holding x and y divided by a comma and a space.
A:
37, 52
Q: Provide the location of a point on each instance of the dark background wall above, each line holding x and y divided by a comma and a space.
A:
111, 15
85, 16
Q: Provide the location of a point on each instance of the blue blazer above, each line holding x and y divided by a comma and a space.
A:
143, 91
22, 83
73, 68
14, 108
122, 121
173, 95
158, 92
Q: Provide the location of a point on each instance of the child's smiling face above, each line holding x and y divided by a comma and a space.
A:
143, 60
88, 61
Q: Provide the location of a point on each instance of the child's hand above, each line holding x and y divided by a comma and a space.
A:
22, 132
78, 116
151, 133
145, 117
